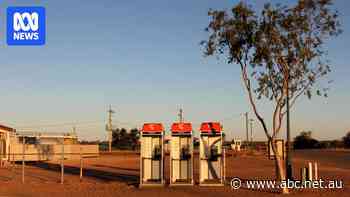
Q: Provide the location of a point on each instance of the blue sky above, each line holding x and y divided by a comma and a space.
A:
144, 58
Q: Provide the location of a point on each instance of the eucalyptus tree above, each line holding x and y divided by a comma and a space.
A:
280, 52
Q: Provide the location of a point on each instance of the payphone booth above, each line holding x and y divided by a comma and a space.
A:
211, 155
181, 154
152, 155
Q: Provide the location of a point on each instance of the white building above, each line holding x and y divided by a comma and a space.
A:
41, 146
5, 135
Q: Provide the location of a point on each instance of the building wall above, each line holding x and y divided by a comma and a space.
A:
47, 148
5, 135
45, 152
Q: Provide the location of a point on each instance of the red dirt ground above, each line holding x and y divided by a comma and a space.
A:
118, 174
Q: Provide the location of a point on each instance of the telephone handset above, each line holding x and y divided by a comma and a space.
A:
156, 152
185, 152
214, 153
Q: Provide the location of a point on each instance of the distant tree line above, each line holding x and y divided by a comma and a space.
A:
125, 140
305, 141
128, 140
89, 142
122, 139
346, 140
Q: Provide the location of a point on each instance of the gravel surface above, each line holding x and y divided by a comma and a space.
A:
117, 174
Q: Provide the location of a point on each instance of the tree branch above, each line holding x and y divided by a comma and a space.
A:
247, 84
294, 98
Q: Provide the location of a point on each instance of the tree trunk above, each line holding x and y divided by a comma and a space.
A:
280, 168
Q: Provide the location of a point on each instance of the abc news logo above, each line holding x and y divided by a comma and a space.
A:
25, 26
32, 26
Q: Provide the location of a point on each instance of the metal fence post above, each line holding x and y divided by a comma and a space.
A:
303, 174
13, 159
81, 165
9, 156
310, 171
1, 157
62, 164
23, 157
316, 171
224, 160
12, 162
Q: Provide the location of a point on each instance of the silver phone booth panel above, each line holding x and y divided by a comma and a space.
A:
152, 155
181, 154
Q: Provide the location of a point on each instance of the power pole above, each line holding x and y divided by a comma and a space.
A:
110, 128
289, 156
251, 131
74, 133
246, 126
74, 130
181, 117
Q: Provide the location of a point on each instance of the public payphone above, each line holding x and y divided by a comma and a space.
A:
211, 154
152, 155
181, 154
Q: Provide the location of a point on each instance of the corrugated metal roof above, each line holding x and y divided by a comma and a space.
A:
6, 128
46, 134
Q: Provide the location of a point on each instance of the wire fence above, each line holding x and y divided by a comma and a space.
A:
12, 161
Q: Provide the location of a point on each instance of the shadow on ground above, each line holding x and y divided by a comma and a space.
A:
117, 168
101, 175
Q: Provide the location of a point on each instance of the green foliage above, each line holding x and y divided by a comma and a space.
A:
280, 43
305, 141
346, 140
122, 139
330, 144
